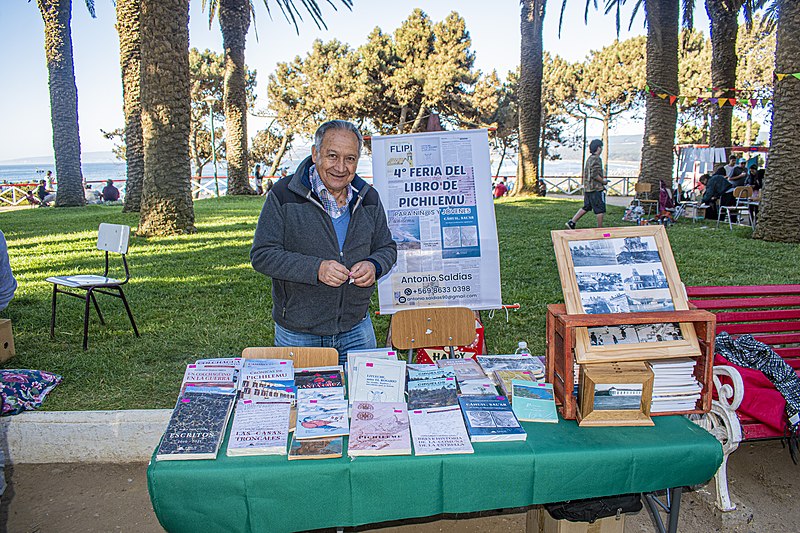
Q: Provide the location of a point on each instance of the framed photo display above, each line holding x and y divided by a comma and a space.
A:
623, 270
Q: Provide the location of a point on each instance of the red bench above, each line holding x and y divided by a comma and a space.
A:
747, 406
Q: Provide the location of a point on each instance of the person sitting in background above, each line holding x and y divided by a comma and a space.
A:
110, 193
730, 166
755, 178
718, 192
7, 282
44, 194
92, 196
738, 177
500, 189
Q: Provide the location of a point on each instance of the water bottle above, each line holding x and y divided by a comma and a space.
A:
522, 348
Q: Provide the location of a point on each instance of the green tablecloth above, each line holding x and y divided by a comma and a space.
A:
557, 462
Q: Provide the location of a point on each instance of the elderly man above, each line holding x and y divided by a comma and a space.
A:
322, 237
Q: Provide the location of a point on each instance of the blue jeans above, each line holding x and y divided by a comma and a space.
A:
361, 337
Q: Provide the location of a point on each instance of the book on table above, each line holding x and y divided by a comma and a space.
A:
317, 419
379, 429
378, 380
354, 356
477, 387
214, 375
231, 362
415, 374
533, 402
439, 431
430, 393
490, 363
262, 390
490, 419
320, 394
504, 377
197, 425
259, 428
324, 448
466, 369
319, 377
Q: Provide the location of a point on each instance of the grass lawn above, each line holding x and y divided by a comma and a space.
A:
197, 296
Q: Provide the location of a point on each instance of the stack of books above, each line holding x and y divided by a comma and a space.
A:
675, 388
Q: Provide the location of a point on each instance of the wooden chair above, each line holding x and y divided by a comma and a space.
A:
302, 357
432, 326
111, 238
643, 196
741, 208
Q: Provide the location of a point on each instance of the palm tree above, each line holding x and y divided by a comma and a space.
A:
661, 116
234, 21
166, 108
130, 59
57, 16
530, 94
779, 216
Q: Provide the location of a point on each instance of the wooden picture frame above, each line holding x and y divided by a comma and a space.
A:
623, 271
605, 384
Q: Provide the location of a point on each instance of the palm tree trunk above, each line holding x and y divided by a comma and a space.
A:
166, 110
57, 16
662, 74
724, 27
130, 58
778, 217
530, 94
234, 20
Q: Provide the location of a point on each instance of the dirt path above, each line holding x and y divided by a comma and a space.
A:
101, 498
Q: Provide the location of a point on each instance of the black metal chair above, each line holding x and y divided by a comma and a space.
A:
110, 238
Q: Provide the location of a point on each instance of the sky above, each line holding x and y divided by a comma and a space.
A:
25, 101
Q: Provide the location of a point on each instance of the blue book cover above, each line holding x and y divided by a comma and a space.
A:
490, 418
533, 402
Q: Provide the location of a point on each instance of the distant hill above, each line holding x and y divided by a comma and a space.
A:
48, 160
621, 148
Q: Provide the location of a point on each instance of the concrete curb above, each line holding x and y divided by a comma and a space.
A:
82, 436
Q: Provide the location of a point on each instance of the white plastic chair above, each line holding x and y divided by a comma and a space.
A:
741, 208
111, 238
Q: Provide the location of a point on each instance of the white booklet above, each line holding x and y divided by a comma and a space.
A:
439, 431
354, 355
259, 428
379, 380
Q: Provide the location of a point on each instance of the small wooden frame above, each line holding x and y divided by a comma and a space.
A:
623, 270
606, 386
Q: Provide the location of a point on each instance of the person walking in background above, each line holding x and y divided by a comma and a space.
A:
110, 193
259, 177
594, 186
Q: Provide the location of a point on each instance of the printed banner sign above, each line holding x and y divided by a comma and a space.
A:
436, 188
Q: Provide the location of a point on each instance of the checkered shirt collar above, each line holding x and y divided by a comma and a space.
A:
327, 199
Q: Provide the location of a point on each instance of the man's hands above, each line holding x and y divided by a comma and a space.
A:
363, 274
333, 273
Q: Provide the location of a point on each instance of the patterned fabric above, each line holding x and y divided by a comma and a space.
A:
25, 390
327, 199
747, 352
593, 174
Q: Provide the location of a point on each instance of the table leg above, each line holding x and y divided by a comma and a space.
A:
672, 507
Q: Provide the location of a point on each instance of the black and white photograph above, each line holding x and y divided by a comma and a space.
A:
645, 277
634, 334
649, 301
669, 331
617, 396
593, 253
605, 302
589, 281
637, 250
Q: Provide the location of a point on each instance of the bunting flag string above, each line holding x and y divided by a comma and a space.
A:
781, 76
687, 100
